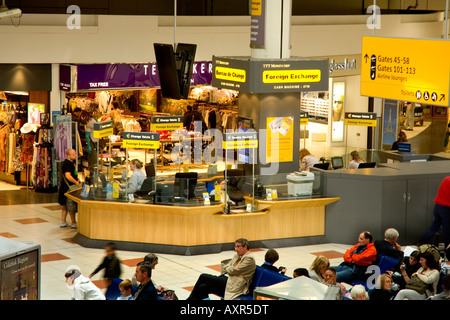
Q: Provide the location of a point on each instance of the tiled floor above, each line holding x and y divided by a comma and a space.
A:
39, 222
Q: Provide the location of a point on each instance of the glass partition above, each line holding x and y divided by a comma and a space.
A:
197, 189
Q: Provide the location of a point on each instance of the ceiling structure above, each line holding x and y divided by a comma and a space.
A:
220, 7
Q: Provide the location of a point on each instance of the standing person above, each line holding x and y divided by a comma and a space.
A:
83, 288
146, 289
401, 138
355, 160
69, 177
236, 279
307, 160
441, 214
187, 118
428, 275
111, 264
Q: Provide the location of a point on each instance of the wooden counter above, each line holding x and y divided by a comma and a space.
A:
194, 229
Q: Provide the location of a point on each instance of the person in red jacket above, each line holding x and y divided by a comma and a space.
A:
357, 259
441, 214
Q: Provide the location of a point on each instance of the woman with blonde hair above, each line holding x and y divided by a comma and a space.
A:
383, 291
137, 177
355, 160
318, 267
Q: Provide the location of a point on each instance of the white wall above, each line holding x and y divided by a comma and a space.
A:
108, 39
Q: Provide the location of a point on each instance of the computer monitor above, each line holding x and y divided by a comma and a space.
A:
103, 180
323, 166
164, 192
184, 184
367, 165
337, 162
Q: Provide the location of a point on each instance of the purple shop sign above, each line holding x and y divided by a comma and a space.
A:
116, 76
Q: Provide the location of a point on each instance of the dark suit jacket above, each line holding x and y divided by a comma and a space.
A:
146, 292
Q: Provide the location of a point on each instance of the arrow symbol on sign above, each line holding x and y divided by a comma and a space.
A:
366, 57
442, 97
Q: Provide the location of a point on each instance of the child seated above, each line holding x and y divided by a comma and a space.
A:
125, 288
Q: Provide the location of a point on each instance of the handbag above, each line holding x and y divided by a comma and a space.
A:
167, 295
417, 285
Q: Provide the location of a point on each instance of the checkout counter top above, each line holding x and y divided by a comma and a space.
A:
392, 171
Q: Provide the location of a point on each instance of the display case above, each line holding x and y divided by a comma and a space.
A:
192, 213
20, 270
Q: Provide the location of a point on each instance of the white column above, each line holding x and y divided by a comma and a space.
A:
277, 30
55, 95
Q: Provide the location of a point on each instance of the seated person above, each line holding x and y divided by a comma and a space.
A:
307, 160
389, 246
222, 190
235, 280
270, 258
410, 265
317, 269
357, 259
355, 160
358, 292
383, 291
125, 288
137, 177
330, 277
299, 272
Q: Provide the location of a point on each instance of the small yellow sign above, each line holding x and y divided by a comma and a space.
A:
140, 144
415, 70
230, 74
256, 7
291, 76
244, 144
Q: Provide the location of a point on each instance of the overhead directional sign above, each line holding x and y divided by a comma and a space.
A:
365, 119
415, 70
268, 76
103, 129
166, 123
240, 140
140, 140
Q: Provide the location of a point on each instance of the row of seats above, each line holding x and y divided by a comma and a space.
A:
262, 278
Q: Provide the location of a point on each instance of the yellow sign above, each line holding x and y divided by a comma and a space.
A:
244, 144
360, 122
291, 76
103, 129
230, 74
256, 7
365, 119
103, 133
280, 139
140, 144
415, 70
240, 140
140, 140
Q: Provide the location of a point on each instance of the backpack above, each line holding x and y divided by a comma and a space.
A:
432, 249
